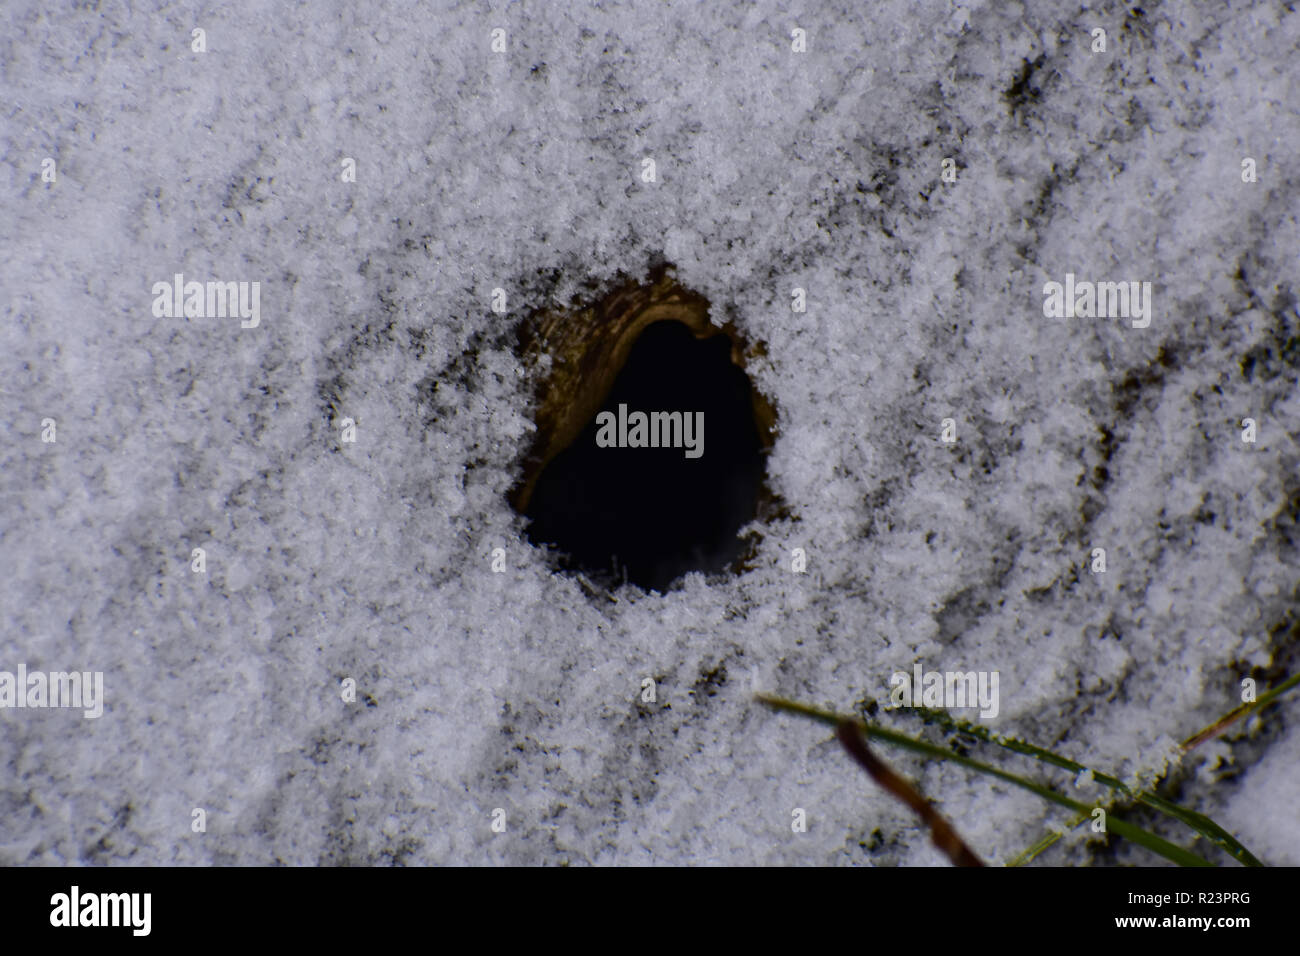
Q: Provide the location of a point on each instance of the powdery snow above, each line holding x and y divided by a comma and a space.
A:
521, 170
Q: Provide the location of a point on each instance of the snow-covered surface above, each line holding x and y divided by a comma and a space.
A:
522, 170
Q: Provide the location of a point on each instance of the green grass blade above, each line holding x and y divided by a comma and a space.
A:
1044, 843
1197, 821
1114, 824
1195, 740
1222, 724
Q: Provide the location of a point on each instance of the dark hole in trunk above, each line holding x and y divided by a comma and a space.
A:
647, 514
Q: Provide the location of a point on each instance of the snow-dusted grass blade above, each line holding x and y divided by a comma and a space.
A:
1114, 824
1197, 821
1198, 738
